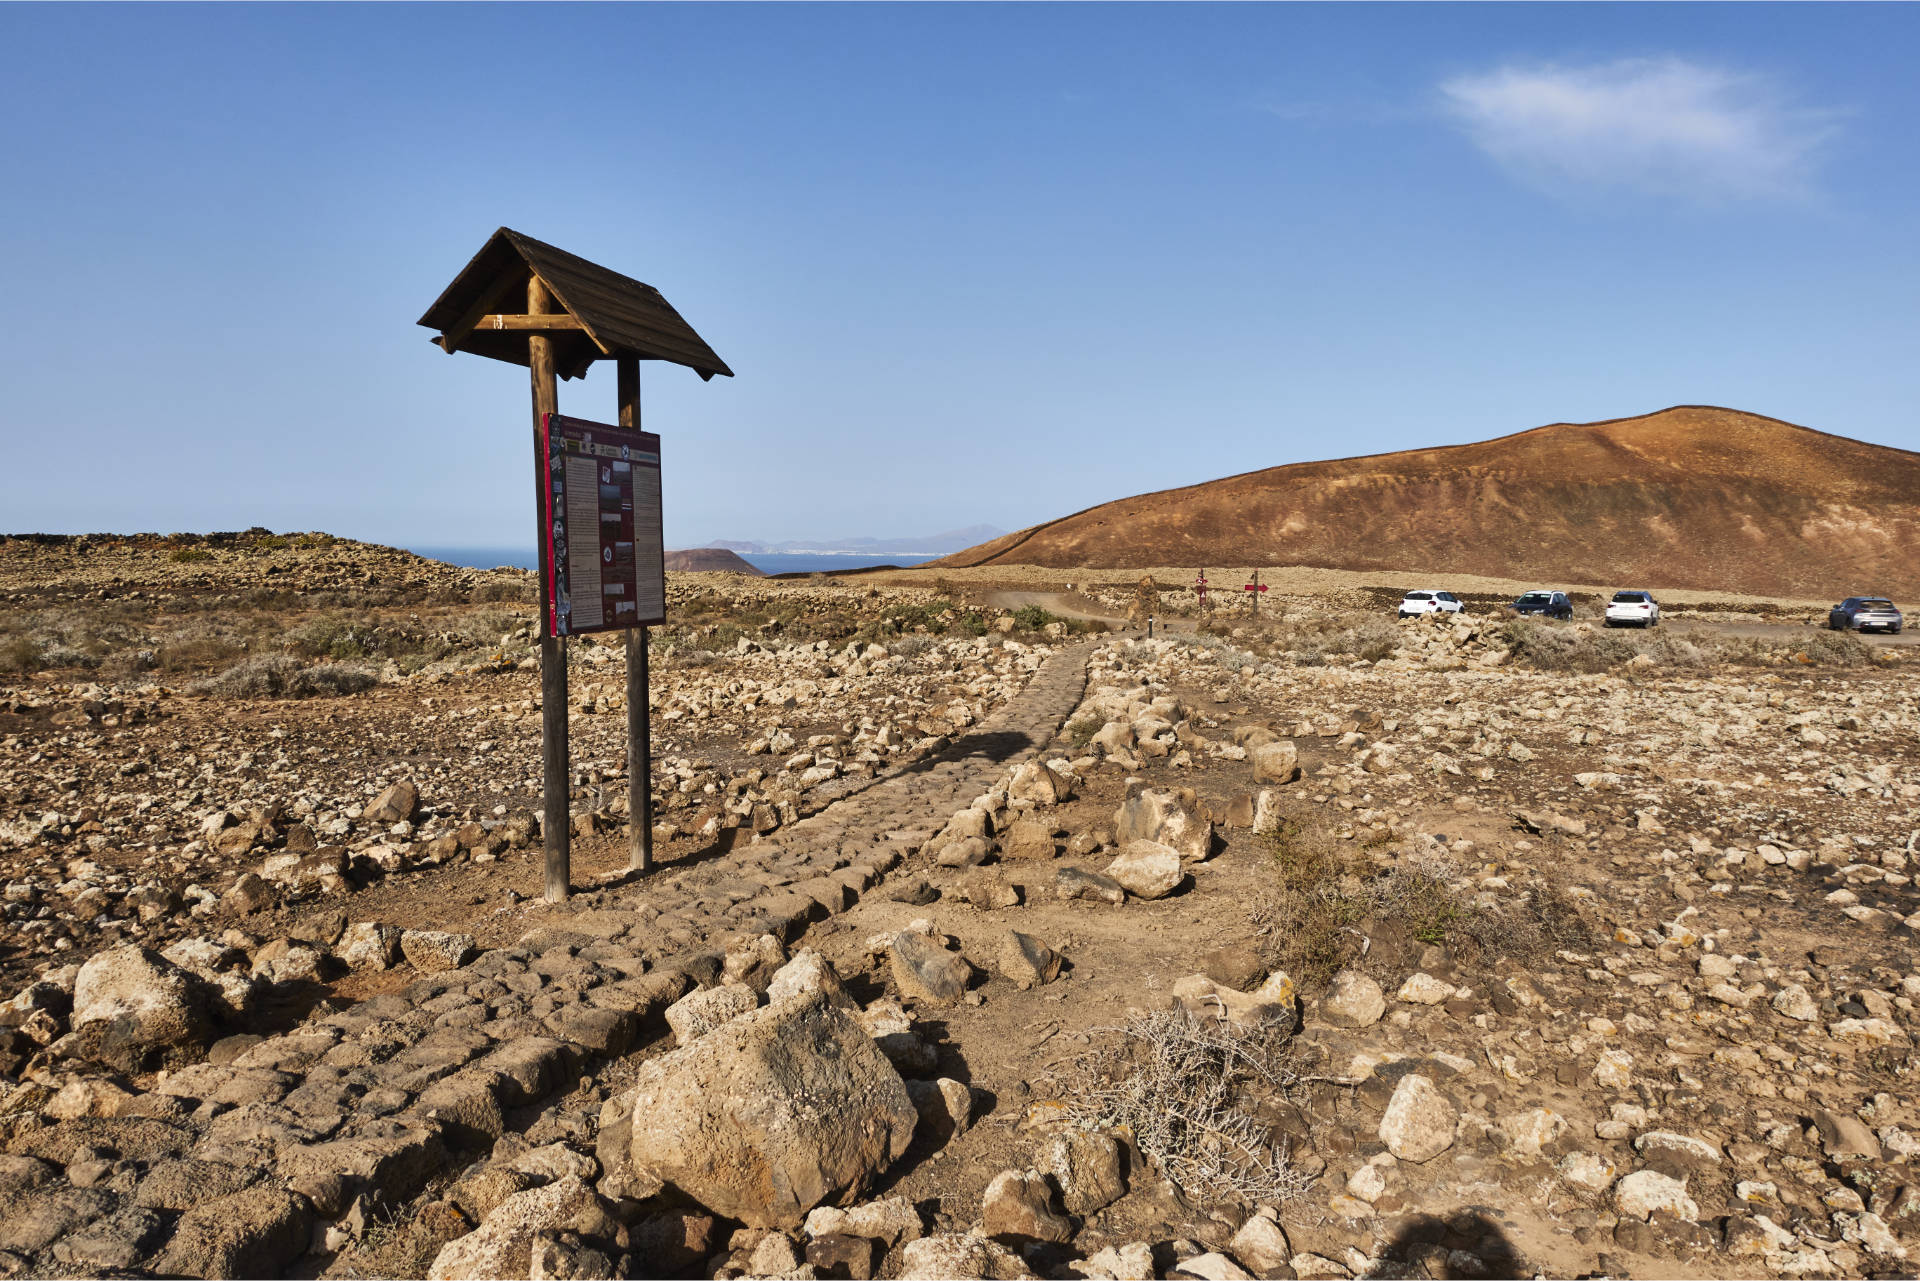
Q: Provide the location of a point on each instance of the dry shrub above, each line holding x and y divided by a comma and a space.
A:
1081, 729
1337, 632
1328, 897
1835, 649
280, 676
1565, 649
506, 591
1186, 1088
19, 654
393, 1244
1573, 649
58, 656
196, 653
1318, 895
485, 627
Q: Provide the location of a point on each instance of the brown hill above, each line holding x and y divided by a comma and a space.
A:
709, 560
1693, 496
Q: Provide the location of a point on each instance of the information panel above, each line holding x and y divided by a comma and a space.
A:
603, 566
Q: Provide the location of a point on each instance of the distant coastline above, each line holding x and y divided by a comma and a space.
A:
765, 562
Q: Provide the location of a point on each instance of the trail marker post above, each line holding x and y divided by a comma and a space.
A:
1256, 587
1146, 602
601, 561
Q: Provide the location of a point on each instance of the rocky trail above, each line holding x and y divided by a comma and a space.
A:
248, 1154
1295, 952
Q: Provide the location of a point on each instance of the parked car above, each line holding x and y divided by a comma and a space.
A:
1429, 602
1545, 603
1864, 613
1633, 609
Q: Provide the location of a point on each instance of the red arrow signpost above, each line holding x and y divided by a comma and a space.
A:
1256, 587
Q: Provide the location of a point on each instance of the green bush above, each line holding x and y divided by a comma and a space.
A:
1031, 618
924, 615
189, 555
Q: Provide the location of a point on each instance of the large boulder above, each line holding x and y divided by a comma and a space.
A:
1027, 961
1147, 869
129, 1004
1016, 1207
1089, 1170
394, 805
925, 971
436, 950
503, 1244
1275, 762
1028, 838
1419, 1121
809, 971
253, 1233
1170, 818
1039, 783
772, 1114
1353, 1000
698, 1013
1269, 1005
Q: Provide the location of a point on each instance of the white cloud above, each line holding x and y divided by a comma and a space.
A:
1659, 125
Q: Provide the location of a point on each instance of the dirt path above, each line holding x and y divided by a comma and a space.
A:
1074, 605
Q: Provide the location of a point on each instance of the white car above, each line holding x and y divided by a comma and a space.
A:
1633, 609
1429, 602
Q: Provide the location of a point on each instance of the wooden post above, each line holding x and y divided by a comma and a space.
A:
556, 826
639, 691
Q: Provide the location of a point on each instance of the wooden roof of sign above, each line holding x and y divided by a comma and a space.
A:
605, 313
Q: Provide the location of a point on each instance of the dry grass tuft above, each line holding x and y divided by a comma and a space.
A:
279, 676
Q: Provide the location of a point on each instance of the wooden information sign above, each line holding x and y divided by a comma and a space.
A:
603, 558
596, 488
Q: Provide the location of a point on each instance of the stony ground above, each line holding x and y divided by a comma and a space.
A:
1318, 950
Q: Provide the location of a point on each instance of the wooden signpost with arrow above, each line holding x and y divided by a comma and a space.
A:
1255, 588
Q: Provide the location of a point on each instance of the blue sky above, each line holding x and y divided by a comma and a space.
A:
981, 263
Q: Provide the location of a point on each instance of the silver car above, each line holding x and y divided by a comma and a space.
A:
1865, 614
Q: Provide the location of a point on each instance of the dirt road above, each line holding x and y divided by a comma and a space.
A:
1781, 631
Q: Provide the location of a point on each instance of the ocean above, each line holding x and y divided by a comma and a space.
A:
781, 563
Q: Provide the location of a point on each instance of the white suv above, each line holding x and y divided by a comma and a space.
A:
1429, 602
1633, 609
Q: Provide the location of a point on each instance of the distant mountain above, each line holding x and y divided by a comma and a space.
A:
709, 560
932, 545
1695, 496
